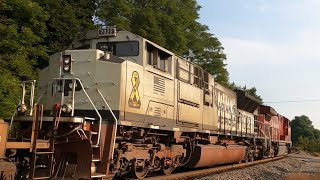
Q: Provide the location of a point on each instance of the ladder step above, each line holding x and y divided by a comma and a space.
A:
39, 153
98, 175
95, 160
89, 118
45, 177
94, 132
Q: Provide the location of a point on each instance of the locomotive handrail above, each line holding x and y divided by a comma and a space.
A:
13, 115
115, 119
85, 92
23, 84
73, 93
33, 82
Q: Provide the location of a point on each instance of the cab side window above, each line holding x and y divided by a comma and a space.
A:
86, 46
152, 55
159, 59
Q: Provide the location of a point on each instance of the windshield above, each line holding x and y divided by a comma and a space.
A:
120, 49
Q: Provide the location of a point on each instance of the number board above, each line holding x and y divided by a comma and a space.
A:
107, 31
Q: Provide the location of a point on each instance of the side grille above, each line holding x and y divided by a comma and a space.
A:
157, 111
159, 84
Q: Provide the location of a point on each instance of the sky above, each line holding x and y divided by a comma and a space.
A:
272, 45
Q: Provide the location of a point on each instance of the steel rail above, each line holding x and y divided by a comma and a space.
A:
195, 173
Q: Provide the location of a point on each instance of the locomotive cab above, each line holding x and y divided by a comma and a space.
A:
119, 43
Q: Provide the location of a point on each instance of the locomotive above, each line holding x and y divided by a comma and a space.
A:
119, 105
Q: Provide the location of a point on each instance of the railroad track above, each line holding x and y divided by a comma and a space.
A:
201, 172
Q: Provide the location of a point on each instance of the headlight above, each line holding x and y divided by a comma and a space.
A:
66, 108
22, 108
66, 60
66, 67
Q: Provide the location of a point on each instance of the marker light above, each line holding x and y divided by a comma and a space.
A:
66, 59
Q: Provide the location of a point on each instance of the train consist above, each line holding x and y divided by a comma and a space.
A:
119, 105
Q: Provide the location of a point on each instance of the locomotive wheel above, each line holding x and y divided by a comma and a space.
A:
167, 169
139, 169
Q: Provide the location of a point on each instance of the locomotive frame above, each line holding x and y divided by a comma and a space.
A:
132, 108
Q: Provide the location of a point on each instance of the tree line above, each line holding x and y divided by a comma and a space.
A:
304, 134
32, 30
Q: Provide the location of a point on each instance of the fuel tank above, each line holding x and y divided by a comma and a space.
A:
209, 155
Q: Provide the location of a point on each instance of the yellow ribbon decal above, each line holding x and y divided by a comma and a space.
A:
134, 99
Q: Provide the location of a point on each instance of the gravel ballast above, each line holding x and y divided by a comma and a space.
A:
295, 166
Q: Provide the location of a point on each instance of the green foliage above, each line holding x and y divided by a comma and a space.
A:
302, 142
30, 31
301, 126
304, 135
172, 24
9, 90
22, 28
66, 19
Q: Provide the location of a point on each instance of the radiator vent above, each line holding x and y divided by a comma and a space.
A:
157, 112
159, 84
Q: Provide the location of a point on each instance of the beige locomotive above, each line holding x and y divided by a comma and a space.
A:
148, 86
145, 86
121, 103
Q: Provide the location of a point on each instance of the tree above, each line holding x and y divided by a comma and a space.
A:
30, 31
66, 19
316, 133
172, 24
303, 142
304, 134
22, 28
302, 126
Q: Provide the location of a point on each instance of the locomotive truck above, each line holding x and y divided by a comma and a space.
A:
119, 105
